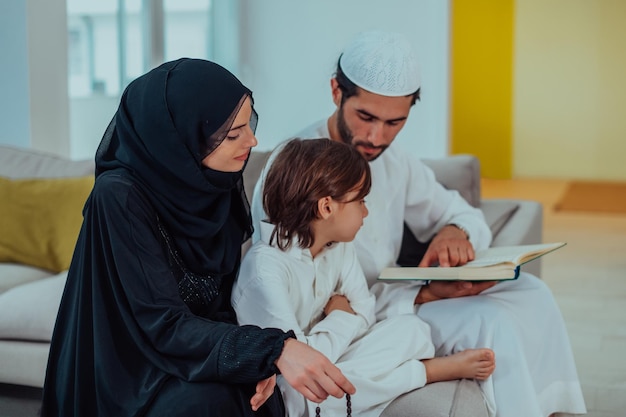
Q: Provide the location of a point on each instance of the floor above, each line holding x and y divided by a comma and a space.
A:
588, 281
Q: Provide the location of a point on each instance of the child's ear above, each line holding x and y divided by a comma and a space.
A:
325, 207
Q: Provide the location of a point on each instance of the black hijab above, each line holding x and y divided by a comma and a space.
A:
168, 121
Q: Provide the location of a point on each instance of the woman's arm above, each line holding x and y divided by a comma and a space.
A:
311, 373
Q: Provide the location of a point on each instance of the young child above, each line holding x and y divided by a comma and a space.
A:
303, 275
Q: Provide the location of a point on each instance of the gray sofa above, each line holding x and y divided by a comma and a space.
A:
29, 296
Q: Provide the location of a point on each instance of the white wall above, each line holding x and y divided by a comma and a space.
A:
47, 67
14, 100
290, 49
33, 75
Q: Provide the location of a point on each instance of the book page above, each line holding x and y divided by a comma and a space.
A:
501, 262
514, 255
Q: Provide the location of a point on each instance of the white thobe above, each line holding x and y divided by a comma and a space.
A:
289, 290
535, 372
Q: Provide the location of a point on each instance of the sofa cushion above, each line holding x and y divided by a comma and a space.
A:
29, 163
40, 220
253, 169
459, 398
12, 275
28, 311
458, 172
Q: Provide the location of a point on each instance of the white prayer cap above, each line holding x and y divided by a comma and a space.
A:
383, 63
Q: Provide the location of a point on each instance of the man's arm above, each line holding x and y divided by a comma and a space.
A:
442, 216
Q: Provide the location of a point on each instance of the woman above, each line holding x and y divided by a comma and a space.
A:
145, 326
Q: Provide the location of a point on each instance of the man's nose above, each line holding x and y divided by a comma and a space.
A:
375, 136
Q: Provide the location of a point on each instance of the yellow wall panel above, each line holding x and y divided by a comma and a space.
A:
481, 83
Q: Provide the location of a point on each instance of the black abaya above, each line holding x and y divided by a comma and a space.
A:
126, 342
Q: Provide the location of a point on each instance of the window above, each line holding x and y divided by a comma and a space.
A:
111, 42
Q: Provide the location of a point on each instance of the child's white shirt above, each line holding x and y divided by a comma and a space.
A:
289, 290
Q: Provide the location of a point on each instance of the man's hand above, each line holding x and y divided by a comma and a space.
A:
311, 373
338, 302
438, 290
450, 247
264, 390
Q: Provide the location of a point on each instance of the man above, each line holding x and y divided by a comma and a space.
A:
375, 86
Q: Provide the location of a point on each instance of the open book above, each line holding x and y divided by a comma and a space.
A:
497, 263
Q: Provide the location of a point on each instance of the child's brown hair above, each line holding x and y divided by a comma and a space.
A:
303, 172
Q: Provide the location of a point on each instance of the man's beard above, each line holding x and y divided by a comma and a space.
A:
346, 136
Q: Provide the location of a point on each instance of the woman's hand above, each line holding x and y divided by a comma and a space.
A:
264, 390
311, 373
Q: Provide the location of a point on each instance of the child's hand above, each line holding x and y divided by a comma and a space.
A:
338, 302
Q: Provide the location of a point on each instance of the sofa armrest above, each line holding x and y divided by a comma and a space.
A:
523, 227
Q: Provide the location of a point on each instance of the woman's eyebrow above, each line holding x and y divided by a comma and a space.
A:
238, 127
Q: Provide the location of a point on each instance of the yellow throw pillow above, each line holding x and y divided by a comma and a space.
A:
40, 220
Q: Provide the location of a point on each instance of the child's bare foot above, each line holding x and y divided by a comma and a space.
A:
470, 363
